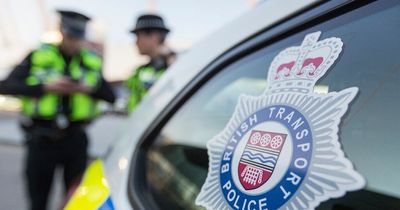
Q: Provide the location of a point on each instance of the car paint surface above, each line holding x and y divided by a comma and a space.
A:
117, 163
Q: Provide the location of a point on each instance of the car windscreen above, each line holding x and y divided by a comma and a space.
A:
177, 161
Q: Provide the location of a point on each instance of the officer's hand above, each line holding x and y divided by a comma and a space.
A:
62, 86
82, 88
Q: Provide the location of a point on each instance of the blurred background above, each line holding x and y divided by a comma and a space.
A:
24, 24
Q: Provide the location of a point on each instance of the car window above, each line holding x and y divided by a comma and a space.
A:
177, 161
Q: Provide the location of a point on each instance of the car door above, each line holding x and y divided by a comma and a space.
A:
171, 163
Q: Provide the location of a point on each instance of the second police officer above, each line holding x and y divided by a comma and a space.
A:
151, 32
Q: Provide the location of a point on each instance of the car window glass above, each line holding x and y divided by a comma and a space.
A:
177, 161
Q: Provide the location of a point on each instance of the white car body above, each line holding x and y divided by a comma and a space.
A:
116, 165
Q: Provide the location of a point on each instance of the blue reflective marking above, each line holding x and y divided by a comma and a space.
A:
107, 205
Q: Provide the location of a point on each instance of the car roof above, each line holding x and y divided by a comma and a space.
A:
188, 65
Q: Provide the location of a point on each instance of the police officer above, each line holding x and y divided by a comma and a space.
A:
151, 33
60, 86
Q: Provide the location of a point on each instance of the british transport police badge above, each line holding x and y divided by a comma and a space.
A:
280, 150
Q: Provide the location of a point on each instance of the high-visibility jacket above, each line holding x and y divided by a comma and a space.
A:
47, 64
140, 82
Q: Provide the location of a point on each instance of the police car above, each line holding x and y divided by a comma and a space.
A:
293, 106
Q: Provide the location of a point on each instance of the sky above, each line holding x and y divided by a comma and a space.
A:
189, 20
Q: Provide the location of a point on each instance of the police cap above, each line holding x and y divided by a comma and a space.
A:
150, 22
73, 23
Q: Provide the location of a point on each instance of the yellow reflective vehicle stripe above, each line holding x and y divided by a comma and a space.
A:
93, 190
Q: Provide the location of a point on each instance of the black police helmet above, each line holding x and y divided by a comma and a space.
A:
150, 22
73, 23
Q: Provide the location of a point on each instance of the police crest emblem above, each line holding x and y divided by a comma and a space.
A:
280, 150
259, 158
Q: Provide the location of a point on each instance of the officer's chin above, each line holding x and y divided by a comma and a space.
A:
71, 47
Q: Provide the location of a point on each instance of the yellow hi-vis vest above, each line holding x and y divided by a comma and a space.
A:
48, 64
140, 82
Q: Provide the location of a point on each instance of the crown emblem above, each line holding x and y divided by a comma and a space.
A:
298, 68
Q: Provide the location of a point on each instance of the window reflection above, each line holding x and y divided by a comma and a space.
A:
178, 174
